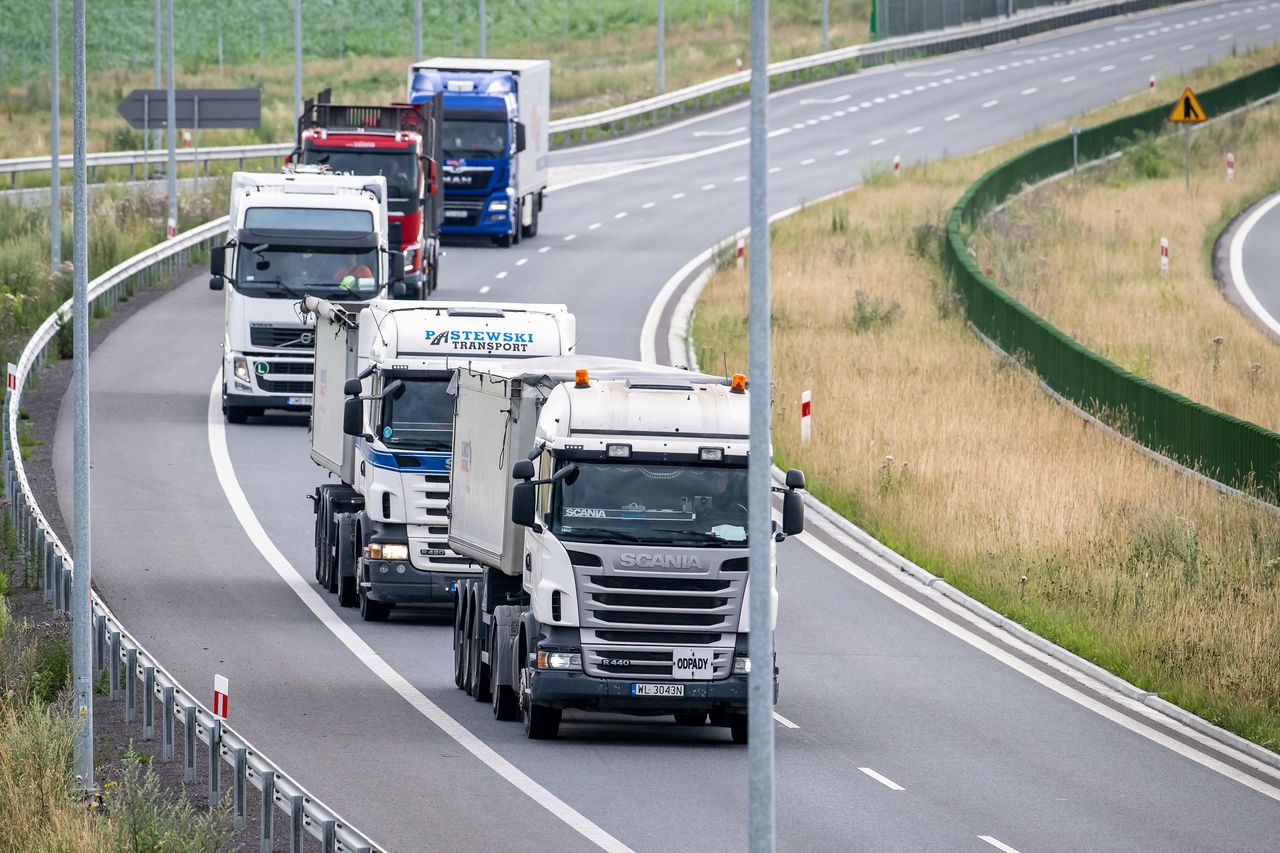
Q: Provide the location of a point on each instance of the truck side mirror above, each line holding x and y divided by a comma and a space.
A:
353, 417
795, 479
215, 282
523, 496
792, 513
520, 137
398, 290
352, 387
395, 267
522, 470
217, 266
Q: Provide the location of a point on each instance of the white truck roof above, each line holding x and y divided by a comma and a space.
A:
470, 63
311, 190
431, 329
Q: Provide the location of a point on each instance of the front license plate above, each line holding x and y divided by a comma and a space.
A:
455, 214
657, 690
303, 400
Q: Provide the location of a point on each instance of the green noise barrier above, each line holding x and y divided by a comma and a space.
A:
1237, 453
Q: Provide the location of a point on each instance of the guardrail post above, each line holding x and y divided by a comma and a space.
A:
59, 588
166, 726
114, 677
266, 835
130, 684
188, 742
100, 643
66, 588
148, 703
329, 836
242, 771
48, 552
215, 760
295, 823
48, 579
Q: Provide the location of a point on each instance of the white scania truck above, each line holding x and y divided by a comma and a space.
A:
382, 423
607, 501
302, 231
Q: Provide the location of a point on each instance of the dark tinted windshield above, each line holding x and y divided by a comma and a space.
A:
420, 417
400, 168
470, 138
290, 272
660, 504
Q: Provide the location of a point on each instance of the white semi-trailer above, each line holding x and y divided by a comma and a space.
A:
382, 424
303, 231
607, 502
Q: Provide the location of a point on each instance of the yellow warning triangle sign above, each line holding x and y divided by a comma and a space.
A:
1187, 110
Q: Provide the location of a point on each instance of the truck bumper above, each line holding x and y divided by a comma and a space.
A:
400, 583
483, 227
268, 401
578, 690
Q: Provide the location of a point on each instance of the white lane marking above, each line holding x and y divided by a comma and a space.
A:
541, 251
500, 276
910, 132
883, 780
782, 131
798, 126
933, 84
810, 122
1002, 67
519, 263
1237, 265
1136, 37
840, 153
731, 132
1260, 29
645, 206
1226, 37
1070, 78
736, 180
999, 845
1147, 58
1183, 49
876, 141
674, 196
364, 652
705, 187
1031, 91
986, 105
839, 99
962, 76
937, 73
1019, 663
948, 81
906, 91
567, 237
484, 289
773, 170
1057, 55
593, 226
921, 88
807, 162
951, 117
622, 214
1104, 69
840, 113
893, 96
866, 105
784, 721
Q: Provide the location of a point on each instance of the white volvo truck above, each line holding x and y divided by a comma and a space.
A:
607, 501
382, 424
302, 231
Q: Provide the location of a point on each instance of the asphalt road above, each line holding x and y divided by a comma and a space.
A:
1253, 256
913, 729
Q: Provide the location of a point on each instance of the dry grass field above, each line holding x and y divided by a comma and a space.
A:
1104, 285
955, 457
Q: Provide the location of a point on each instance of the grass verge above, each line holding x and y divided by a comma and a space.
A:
955, 458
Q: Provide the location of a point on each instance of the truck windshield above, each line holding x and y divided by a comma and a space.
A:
420, 417
400, 168
290, 272
656, 504
471, 138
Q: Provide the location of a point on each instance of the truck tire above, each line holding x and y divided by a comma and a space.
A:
738, 727
480, 675
502, 241
458, 657
345, 565
236, 414
516, 226
540, 721
506, 706
532, 229
322, 538
373, 611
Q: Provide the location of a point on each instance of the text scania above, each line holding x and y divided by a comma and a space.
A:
483, 341
659, 561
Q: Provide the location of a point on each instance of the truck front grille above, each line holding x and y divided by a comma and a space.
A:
282, 337
644, 662
463, 211
278, 386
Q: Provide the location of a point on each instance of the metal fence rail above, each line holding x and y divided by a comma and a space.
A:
709, 94
1229, 450
184, 723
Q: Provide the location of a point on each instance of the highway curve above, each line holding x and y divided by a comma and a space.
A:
904, 725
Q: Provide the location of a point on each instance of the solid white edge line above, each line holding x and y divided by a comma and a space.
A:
1237, 265
996, 843
365, 653
883, 780
784, 721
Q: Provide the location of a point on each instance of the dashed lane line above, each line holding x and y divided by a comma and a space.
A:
883, 780
996, 843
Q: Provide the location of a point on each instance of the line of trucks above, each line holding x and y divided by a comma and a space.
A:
584, 517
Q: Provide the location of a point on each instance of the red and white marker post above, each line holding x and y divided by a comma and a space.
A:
1164, 255
221, 696
1151, 83
1231, 167
897, 165
12, 382
739, 63
806, 417
741, 253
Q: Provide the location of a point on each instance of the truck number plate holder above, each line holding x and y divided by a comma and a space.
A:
657, 690
300, 400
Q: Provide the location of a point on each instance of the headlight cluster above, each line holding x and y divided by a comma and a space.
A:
741, 665
559, 660
241, 367
498, 206
379, 551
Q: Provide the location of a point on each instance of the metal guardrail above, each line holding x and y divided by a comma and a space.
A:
711, 93
183, 719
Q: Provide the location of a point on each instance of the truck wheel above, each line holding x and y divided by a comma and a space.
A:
503, 241
540, 721
373, 611
345, 570
691, 718
458, 656
479, 669
738, 727
532, 229
322, 538
505, 705
516, 226
236, 414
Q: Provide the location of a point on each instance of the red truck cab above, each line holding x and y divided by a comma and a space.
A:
402, 143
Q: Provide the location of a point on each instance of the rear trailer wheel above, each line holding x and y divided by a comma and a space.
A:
459, 657
691, 718
738, 728
540, 721
479, 669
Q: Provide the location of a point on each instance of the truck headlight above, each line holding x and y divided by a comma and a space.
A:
559, 660
498, 206
379, 551
741, 665
240, 365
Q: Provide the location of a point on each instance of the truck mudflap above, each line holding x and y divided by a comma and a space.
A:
559, 689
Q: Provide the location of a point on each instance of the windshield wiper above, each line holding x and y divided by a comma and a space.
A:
605, 534
703, 536
285, 288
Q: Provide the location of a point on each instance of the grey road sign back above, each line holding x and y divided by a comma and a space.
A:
218, 108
